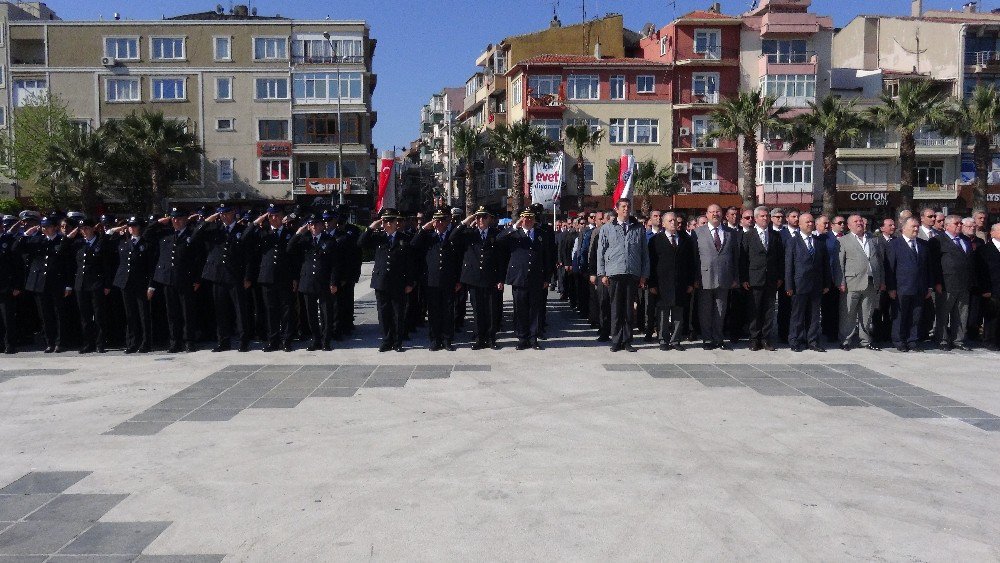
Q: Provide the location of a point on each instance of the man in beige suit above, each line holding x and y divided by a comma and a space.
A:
862, 277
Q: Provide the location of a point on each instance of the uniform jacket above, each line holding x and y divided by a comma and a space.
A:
623, 251
442, 258
271, 262
717, 267
905, 272
395, 263
527, 266
760, 266
227, 253
95, 263
179, 256
136, 262
854, 264
671, 268
317, 261
48, 263
11, 265
482, 260
349, 253
806, 273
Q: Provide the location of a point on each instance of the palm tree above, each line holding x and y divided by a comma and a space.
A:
649, 180
917, 106
159, 146
580, 138
837, 123
978, 117
82, 159
742, 117
611, 176
468, 145
514, 144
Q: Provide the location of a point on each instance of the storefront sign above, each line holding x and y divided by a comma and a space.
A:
876, 198
274, 149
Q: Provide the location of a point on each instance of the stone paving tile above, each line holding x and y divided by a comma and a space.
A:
472, 367
964, 411
160, 415
44, 482
90, 559
211, 415
17, 506
276, 403
988, 424
622, 367
77, 508
129, 428
842, 401
22, 558
39, 538
180, 559
115, 538
335, 392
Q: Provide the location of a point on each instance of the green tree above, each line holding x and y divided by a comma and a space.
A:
917, 106
579, 139
611, 176
837, 123
652, 180
741, 118
81, 161
514, 144
468, 145
159, 147
977, 117
36, 125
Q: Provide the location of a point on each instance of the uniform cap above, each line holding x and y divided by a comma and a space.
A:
29, 214
390, 213
275, 209
330, 214
9, 219
528, 213
76, 215
176, 213
134, 221
537, 208
47, 222
88, 223
108, 218
440, 214
483, 211
224, 208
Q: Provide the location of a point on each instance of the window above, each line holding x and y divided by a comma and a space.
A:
702, 169
544, 85
168, 89
616, 131
122, 48
928, 173
29, 90
270, 49
272, 130
515, 91
80, 126
588, 171
784, 50
318, 49
708, 42
274, 170
790, 89
123, 90
167, 48
551, 128
701, 126
3, 117
645, 84
591, 122
223, 89
582, 87
3, 76
891, 88
643, 131
663, 46
310, 169
618, 87
225, 171
859, 173
223, 48
321, 87
321, 128
272, 89
225, 124
705, 87
785, 172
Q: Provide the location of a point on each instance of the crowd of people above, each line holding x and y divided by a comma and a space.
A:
760, 275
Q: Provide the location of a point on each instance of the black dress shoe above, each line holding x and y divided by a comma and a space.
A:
944, 346
190, 347
616, 348
665, 347
522, 345
435, 347
287, 347
495, 345
221, 348
770, 347
817, 348
916, 349
448, 346
536, 345
144, 349
797, 348
629, 348
58, 350
724, 346
679, 347
174, 349
845, 347
133, 350
101, 350
873, 348
244, 346
313, 347
399, 347
385, 347
327, 347
270, 348
756, 347
479, 346
50, 349
963, 348
9, 350
604, 339
902, 348
87, 349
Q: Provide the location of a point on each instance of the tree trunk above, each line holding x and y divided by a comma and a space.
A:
470, 188
88, 198
829, 178
517, 195
981, 157
158, 191
749, 192
907, 161
647, 204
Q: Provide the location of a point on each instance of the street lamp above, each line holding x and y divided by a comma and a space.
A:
340, 139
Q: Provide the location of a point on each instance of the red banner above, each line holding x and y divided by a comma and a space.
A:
386, 184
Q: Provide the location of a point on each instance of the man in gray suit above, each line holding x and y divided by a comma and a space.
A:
862, 277
716, 258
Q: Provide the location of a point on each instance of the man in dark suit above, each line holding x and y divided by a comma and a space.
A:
482, 273
95, 270
227, 267
177, 273
393, 275
442, 266
314, 250
134, 277
600, 307
672, 278
954, 272
276, 271
548, 236
762, 273
346, 235
807, 279
11, 283
988, 269
908, 283
47, 277
528, 274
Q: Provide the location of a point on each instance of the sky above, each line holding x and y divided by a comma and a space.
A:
424, 45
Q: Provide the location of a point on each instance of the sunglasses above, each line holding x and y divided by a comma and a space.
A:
747, 217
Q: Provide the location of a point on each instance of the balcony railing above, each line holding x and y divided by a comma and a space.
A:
544, 100
705, 186
869, 142
982, 58
936, 141
936, 191
789, 58
327, 59
690, 97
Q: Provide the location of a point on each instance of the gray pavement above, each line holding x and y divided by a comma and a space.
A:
567, 453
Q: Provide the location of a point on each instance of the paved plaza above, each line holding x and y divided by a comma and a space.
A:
567, 453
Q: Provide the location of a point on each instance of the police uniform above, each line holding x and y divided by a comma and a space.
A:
317, 272
48, 279
442, 265
277, 270
178, 269
95, 269
481, 273
549, 237
527, 273
226, 266
392, 274
348, 270
11, 280
134, 276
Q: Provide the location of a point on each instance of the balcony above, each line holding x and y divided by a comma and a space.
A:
699, 144
983, 60
713, 56
788, 188
28, 52
687, 99
786, 22
327, 59
705, 186
934, 144
543, 105
936, 191
787, 63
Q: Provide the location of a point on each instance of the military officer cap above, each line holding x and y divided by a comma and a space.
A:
177, 213
440, 214
314, 218
224, 208
456, 212
8, 219
537, 208
275, 209
483, 211
108, 218
528, 213
330, 214
135, 221
49, 221
29, 215
88, 223
389, 213
777, 211
76, 215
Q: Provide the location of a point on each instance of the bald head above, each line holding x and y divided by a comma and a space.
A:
807, 223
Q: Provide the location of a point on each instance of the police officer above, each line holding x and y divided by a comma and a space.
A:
277, 275
11, 282
47, 278
134, 277
177, 273
481, 273
227, 267
393, 275
528, 274
548, 232
314, 249
348, 256
95, 270
442, 266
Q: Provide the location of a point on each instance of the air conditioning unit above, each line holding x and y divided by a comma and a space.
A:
235, 195
684, 131
680, 168
108, 61
221, 196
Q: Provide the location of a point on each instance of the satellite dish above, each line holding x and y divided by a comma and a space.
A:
648, 29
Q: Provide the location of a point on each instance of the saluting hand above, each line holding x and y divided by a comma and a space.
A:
375, 224
149, 294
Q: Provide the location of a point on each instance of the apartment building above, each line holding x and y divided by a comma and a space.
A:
282, 107
437, 122
875, 54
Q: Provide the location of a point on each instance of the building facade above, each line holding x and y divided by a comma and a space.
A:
438, 120
282, 107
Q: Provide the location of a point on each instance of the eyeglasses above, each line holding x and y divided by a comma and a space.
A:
838, 222
747, 217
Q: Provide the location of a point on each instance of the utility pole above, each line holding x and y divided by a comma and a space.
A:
340, 134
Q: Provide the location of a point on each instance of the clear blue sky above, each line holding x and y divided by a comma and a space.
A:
425, 45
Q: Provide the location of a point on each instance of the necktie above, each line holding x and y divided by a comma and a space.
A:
763, 239
718, 241
958, 242
483, 233
673, 240
809, 245
913, 246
